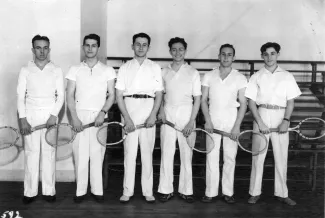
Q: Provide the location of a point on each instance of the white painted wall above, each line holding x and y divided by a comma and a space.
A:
19, 22
299, 26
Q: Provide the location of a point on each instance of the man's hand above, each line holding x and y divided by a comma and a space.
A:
25, 127
150, 121
283, 127
263, 128
51, 121
129, 125
234, 133
77, 124
188, 128
99, 119
208, 126
162, 116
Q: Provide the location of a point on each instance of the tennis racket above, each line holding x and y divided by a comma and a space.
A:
9, 136
11, 154
244, 141
63, 133
306, 128
116, 133
201, 136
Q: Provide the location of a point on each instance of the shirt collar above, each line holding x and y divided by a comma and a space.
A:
278, 69
185, 64
33, 64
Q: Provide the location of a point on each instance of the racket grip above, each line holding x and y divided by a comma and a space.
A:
221, 132
93, 123
274, 130
38, 127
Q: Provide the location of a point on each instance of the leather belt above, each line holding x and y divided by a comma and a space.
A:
270, 106
138, 96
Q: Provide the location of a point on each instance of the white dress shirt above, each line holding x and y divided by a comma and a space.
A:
181, 86
274, 88
134, 78
40, 89
223, 93
91, 84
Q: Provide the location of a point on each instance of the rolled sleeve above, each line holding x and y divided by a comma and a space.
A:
205, 80
72, 74
158, 79
252, 88
111, 74
120, 81
197, 84
293, 90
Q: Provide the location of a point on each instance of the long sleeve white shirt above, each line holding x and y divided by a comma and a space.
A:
40, 89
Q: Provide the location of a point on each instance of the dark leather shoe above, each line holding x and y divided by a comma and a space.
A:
79, 199
229, 199
49, 198
28, 200
166, 197
187, 198
98, 198
287, 201
206, 199
253, 199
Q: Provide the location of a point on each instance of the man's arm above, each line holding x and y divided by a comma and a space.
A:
240, 115
261, 125
283, 127
129, 125
25, 127
59, 87
161, 114
205, 109
195, 109
108, 103
76, 123
150, 122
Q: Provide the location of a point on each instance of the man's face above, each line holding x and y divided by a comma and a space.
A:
90, 48
177, 51
140, 47
41, 49
226, 57
270, 57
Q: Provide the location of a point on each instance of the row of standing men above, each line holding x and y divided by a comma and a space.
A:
143, 92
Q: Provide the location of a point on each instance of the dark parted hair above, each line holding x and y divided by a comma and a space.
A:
227, 46
177, 40
94, 37
274, 45
141, 35
39, 37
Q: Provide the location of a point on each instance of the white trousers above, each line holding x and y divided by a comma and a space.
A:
222, 119
139, 110
88, 153
280, 144
180, 116
36, 149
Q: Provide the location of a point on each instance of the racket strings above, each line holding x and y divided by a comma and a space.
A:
60, 135
311, 128
9, 155
8, 137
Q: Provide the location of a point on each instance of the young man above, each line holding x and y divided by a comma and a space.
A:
271, 92
223, 92
90, 94
182, 85
40, 93
138, 93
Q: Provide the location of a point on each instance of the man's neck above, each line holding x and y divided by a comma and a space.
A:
91, 62
41, 64
140, 59
271, 68
225, 70
176, 65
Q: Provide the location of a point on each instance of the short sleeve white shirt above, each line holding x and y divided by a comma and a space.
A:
134, 78
40, 89
224, 93
274, 88
181, 86
91, 84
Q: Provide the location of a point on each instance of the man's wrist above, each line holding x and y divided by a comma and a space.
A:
103, 111
286, 119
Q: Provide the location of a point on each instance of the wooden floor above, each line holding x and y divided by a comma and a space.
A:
309, 204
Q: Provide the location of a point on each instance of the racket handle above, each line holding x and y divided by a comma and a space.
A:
93, 123
274, 129
38, 127
221, 132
